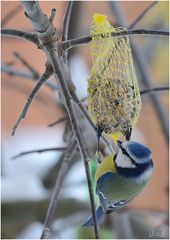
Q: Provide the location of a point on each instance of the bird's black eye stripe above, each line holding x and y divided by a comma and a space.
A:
114, 157
127, 154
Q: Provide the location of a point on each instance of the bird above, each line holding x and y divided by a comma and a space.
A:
120, 177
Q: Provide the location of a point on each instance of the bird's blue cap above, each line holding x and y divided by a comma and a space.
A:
138, 152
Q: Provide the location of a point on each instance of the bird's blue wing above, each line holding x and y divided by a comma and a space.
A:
99, 215
111, 206
108, 205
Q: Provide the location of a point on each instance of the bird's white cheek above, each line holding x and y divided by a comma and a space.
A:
124, 161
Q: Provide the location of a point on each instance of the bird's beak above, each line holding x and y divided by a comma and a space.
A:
119, 143
128, 134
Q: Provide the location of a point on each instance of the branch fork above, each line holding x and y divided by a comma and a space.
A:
46, 32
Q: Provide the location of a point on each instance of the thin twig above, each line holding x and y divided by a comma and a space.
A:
50, 49
153, 90
67, 20
68, 155
31, 37
20, 88
15, 72
25, 74
67, 45
76, 130
145, 11
39, 151
58, 121
10, 15
52, 16
38, 85
66, 23
27, 65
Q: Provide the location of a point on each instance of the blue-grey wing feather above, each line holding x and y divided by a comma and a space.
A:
109, 205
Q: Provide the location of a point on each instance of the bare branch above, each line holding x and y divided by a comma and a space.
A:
83, 40
39, 151
66, 26
153, 90
10, 15
75, 128
20, 88
50, 49
53, 15
26, 74
27, 65
31, 37
43, 78
146, 10
15, 72
33, 11
60, 178
57, 122
67, 20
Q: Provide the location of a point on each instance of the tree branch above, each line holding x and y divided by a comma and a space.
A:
15, 72
66, 26
50, 48
58, 185
153, 90
38, 19
10, 15
25, 74
43, 78
75, 127
31, 37
27, 65
52, 16
142, 14
57, 122
67, 45
67, 20
39, 151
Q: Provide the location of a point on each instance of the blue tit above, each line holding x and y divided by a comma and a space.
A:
121, 177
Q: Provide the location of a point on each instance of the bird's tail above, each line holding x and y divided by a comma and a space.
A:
100, 217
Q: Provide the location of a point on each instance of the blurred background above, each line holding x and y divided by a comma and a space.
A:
27, 182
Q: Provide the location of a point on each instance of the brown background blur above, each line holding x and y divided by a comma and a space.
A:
155, 195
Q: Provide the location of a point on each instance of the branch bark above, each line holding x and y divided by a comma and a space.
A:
55, 196
47, 36
10, 15
148, 8
154, 90
35, 90
27, 65
31, 37
67, 20
66, 23
67, 45
39, 151
26, 74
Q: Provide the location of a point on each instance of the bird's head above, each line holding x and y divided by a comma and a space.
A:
134, 161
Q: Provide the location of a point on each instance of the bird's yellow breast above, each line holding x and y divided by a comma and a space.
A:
107, 165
